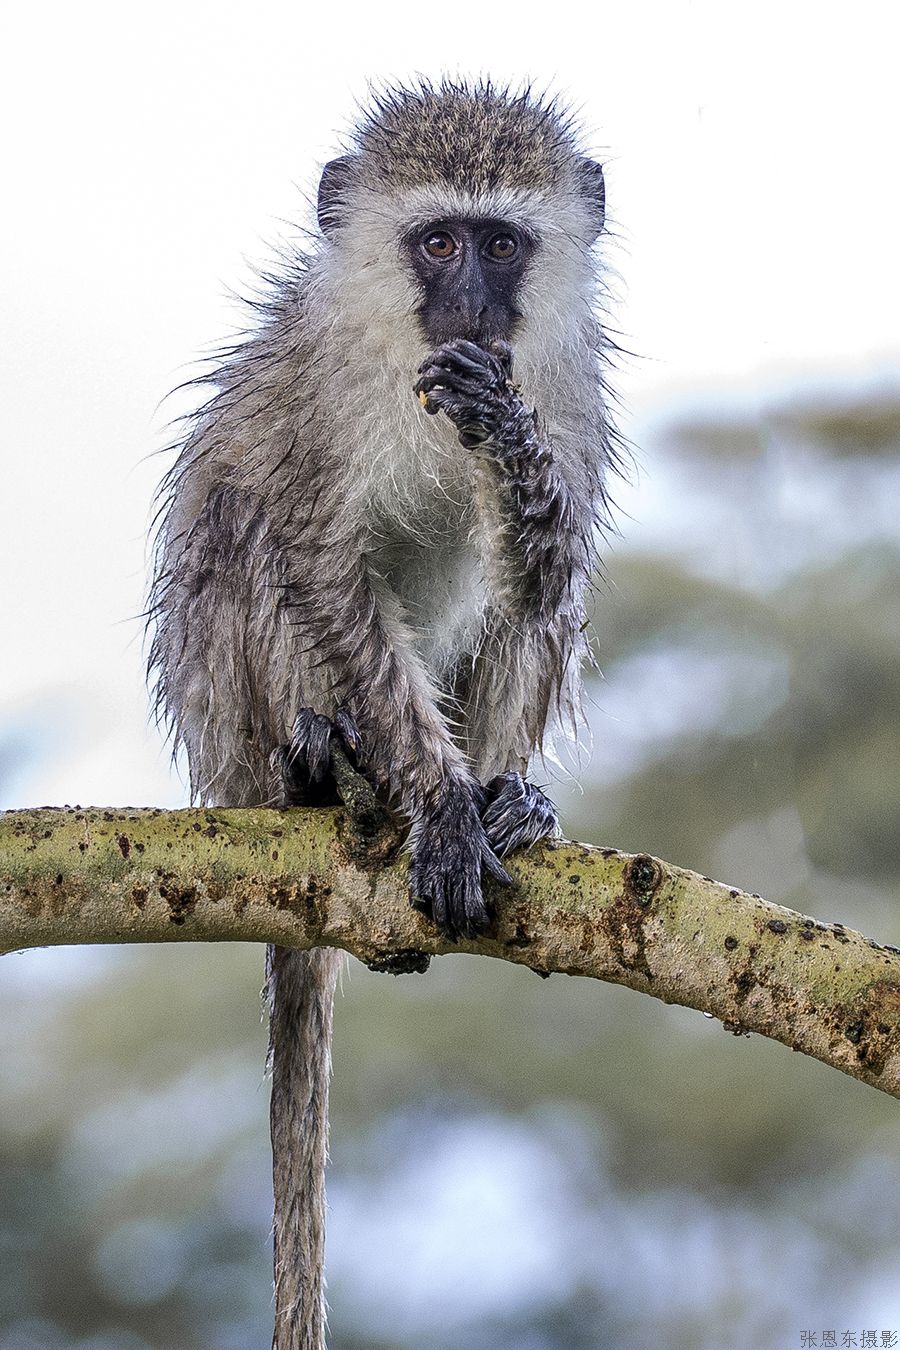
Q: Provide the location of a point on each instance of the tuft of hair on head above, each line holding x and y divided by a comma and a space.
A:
474, 138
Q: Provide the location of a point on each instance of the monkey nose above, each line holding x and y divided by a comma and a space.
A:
470, 322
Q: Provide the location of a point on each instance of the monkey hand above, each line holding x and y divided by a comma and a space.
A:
517, 814
451, 855
473, 386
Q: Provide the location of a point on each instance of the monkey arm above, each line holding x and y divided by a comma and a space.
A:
531, 540
524, 676
535, 536
534, 539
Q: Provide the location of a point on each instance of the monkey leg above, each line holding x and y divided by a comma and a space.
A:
517, 814
303, 768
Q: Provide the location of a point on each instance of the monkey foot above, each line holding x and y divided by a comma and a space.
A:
451, 857
303, 768
517, 814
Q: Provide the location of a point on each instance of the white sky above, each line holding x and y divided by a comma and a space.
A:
148, 154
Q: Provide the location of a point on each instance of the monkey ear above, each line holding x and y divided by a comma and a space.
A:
336, 178
593, 189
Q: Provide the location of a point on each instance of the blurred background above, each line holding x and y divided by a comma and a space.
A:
517, 1163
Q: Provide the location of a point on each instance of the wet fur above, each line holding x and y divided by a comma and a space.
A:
325, 544
312, 451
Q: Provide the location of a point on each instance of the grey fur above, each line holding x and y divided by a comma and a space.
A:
324, 544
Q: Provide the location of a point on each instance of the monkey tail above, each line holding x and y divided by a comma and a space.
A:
300, 989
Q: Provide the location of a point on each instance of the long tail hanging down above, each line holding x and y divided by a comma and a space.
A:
300, 989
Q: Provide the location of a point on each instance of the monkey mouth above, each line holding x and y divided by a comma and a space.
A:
438, 331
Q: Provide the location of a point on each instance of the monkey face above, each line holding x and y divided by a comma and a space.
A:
469, 273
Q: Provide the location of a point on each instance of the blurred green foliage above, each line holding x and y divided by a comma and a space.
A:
516, 1162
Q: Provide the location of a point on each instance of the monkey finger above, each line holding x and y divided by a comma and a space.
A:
437, 399
302, 723
478, 922
429, 399
436, 879
494, 868
452, 374
445, 355
495, 360
440, 910
485, 374
463, 349
426, 383
477, 915
421, 904
424, 880
319, 748
474, 361
455, 386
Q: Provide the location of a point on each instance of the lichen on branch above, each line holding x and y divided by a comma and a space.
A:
302, 878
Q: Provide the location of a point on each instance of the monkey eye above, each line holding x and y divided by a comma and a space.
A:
503, 246
439, 244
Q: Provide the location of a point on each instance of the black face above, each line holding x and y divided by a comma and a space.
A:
469, 272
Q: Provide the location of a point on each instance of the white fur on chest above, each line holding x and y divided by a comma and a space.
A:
438, 593
418, 491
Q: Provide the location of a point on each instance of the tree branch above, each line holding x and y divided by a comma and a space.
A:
304, 878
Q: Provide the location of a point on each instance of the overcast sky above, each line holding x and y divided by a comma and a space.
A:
149, 155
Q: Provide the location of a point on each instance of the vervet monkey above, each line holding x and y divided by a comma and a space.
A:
379, 531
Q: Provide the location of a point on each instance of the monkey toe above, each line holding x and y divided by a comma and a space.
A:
310, 743
289, 786
303, 767
517, 814
348, 732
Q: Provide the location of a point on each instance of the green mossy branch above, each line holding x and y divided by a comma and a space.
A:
303, 878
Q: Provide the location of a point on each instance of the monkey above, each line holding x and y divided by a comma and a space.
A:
379, 533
